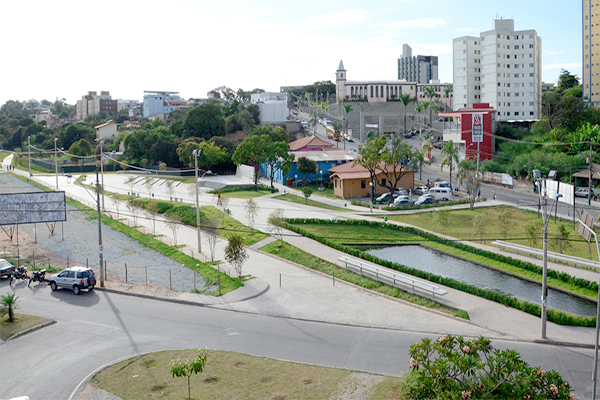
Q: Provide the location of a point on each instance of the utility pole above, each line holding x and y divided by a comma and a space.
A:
545, 262
29, 154
100, 246
590, 180
196, 153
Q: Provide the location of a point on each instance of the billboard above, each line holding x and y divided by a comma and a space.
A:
29, 208
477, 128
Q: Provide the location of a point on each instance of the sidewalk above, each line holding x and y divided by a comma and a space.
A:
285, 289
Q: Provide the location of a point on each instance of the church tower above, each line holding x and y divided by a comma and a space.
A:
340, 82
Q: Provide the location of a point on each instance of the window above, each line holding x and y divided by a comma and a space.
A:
508, 85
516, 94
516, 47
531, 103
531, 46
363, 184
516, 65
335, 181
498, 84
530, 112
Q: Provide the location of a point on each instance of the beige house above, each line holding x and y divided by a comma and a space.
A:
353, 180
106, 131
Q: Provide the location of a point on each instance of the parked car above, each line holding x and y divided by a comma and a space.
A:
6, 269
304, 124
440, 193
421, 190
401, 191
75, 278
425, 199
437, 145
384, 198
582, 192
403, 201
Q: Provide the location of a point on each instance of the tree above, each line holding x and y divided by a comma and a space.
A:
306, 191
170, 186
347, 110
204, 121
566, 80
442, 217
533, 231
252, 151
236, 254
505, 221
211, 227
447, 92
80, 149
370, 156
450, 154
152, 208
173, 221
114, 198
132, 209
560, 241
8, 304
314, 119
277, 158
306, 167
251, 210
479, 225
277, 224
420, 107
393, 164
186, 368
431, 94
245, 119
405, 99
471, 179
149, 183
421, 158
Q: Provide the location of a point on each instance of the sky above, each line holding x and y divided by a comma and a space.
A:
65, 48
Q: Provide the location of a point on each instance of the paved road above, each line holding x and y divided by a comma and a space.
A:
98, 327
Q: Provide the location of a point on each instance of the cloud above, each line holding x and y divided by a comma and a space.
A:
424, 23
551, 52
563, 65
328, 21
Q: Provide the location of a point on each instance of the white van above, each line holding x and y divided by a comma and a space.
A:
445, 184
441, 193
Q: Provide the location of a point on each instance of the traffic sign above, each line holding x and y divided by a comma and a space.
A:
101, 248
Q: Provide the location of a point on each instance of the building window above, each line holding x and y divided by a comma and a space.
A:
363, 184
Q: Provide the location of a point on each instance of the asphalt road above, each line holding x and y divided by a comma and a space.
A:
97, 328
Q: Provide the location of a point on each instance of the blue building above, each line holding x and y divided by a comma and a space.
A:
155, 103
325, 160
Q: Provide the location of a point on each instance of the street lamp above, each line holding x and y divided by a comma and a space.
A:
321, 172
371, 202
29, 154
558, 196
541, 184
55, 163
102, 172
196, 153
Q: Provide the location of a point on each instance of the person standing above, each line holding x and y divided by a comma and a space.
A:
494, 194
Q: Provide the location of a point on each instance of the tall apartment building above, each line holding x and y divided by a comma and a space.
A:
420, 69
92, 104
502, 67
591, 39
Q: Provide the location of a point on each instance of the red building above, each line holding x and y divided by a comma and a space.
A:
458, 127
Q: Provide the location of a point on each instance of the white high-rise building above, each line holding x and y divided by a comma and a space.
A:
502, 67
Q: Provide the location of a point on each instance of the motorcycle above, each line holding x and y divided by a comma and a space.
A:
38, 276
20, 273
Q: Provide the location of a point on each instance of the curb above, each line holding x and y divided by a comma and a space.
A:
32, 329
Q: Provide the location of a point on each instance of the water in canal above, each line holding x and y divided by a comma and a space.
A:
438, 263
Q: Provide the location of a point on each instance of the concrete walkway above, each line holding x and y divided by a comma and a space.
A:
285, 289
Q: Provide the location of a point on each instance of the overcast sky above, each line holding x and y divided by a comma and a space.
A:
65, 48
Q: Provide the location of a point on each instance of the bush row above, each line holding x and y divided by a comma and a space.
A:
186, 212
241, 189
556, 316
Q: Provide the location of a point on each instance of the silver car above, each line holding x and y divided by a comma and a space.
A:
75, 278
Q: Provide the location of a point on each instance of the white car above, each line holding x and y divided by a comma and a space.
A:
582, 192
421, 190
75, 278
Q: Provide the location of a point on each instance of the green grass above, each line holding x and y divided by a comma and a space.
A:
245, 194
226, 375
205, 269
353, 235
20, 323
300, 200
230, 226
294, 254
460, 226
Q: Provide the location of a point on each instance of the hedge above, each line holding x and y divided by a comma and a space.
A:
556, 316
186, 212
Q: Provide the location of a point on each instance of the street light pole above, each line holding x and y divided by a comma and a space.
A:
196, 153
100, 246
55, 163
102, 169
29, 154
542, 192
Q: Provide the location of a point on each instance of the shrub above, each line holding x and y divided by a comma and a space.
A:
452, 367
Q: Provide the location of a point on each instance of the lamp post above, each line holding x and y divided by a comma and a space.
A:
371, 202
541, 183
196, 153
102, 172
321, 172
29, 154
55, 163
558, 196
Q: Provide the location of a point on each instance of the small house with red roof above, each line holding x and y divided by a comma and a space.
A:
353, 180
311, 143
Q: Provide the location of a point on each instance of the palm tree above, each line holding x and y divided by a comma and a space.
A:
431, 94
421, 156
420, 107
314, 119
405, 99
447, 92
450, 154
347, 110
